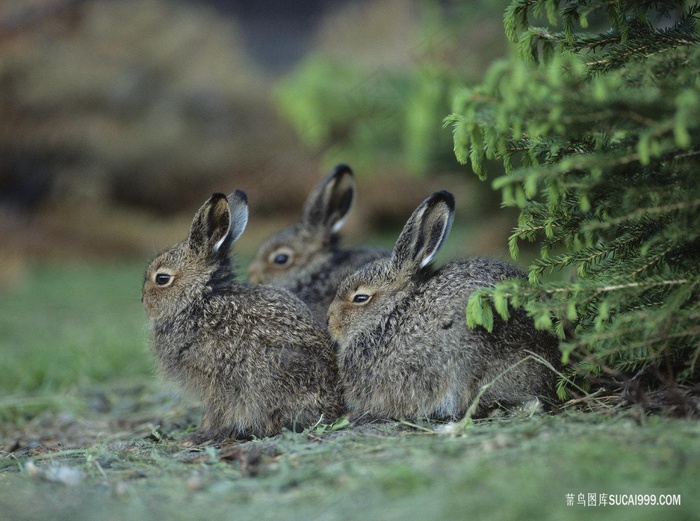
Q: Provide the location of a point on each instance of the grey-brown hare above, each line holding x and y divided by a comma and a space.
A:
405, 350
254, 355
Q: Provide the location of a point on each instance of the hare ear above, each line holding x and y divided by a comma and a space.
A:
424, 232
238, 204
211, 226
328, 205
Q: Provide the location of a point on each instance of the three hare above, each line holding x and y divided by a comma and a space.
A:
307, 258
254, 355
404, 348
259, 361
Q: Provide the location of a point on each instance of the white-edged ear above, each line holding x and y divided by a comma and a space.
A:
328, 206
424, 233
211, 226
238, 203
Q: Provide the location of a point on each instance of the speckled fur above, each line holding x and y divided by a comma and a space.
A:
318, 262
253, 355
407, 352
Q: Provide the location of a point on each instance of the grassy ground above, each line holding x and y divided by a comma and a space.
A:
86, 432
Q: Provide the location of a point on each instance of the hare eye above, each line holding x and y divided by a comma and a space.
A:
361, 298
162, 279
281, 259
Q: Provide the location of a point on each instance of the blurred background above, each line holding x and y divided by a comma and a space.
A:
120, 117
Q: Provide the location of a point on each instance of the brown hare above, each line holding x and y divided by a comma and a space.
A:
253, 355
307, 258
405, 350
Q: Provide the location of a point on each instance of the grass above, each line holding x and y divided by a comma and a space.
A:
86, 432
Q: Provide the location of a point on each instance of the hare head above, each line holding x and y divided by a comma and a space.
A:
202, 260
372, 292
292, 250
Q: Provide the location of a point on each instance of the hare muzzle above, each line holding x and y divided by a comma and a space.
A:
334, 320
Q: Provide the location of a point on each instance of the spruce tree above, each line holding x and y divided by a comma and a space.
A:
596, 119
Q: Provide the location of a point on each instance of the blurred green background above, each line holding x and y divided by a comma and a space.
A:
120, 117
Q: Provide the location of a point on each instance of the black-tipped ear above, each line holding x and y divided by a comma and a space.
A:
424, 232
211, 226
238, 203
328, 205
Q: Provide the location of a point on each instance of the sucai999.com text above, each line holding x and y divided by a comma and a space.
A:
601, 499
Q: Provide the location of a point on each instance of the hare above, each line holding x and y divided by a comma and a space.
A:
306, 258
253, 355
404, 347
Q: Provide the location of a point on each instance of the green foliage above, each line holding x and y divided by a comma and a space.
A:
329, 107
385, 117
387, 112
599, 134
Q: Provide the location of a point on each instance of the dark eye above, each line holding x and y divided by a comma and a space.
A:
361, 298
281, 259
162, 279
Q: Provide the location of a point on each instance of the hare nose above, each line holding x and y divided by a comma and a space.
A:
333, 323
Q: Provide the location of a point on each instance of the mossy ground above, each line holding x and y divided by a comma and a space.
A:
87, 432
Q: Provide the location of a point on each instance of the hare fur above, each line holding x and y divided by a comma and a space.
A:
253, 355
307, 258
405, 350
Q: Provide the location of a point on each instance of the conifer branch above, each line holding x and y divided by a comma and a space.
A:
600, 142
644, 213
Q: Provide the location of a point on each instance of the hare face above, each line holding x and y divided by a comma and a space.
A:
291, 253
201, 261
376, 289
364, 298
162, 280
285, 254
170, 278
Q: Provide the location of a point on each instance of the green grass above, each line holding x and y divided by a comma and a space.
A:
496, 470
93, 435
72, 325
